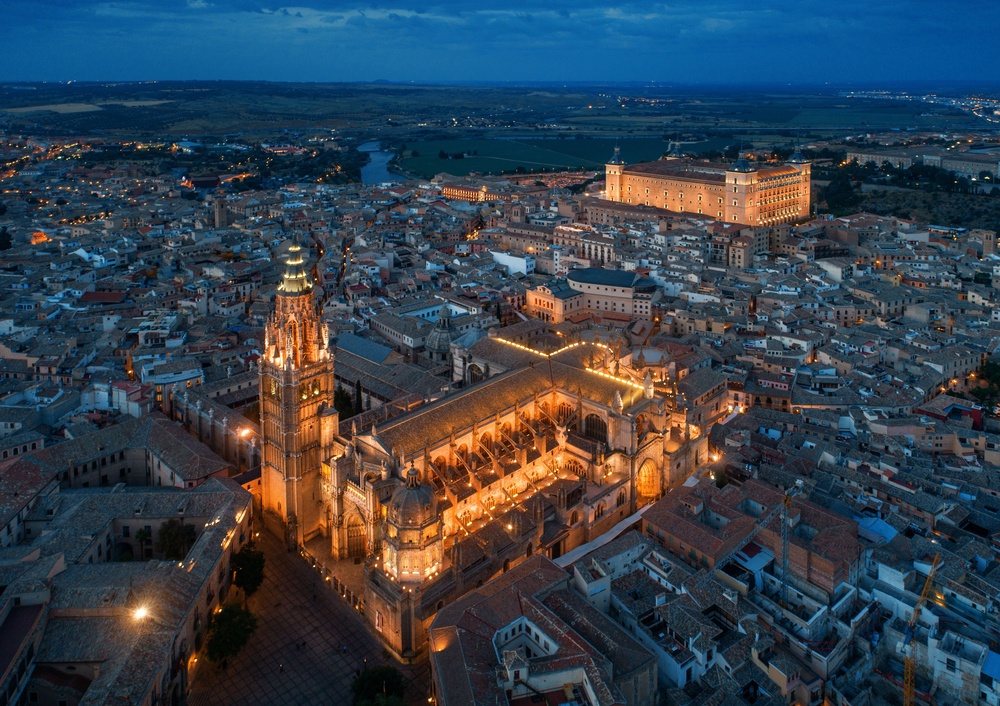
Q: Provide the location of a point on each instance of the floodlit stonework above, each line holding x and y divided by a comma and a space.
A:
738, 193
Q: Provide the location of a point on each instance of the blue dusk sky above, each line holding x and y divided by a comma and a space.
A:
684, 41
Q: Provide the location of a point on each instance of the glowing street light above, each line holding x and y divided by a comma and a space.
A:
140, 613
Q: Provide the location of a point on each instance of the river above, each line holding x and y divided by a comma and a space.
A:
376, 171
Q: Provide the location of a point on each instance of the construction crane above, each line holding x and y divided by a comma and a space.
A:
909, 640
763, 521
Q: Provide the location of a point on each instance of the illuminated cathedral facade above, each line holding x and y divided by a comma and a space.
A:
547, 455
298, 422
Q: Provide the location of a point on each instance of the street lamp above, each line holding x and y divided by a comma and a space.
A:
140, 613
245, 435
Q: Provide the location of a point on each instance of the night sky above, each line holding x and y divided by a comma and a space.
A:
687, 41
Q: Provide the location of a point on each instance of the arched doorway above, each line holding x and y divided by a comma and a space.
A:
355, 537
475, 373
648, 483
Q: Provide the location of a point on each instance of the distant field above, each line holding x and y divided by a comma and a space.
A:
56, 108
81, 107
892, 116
411, 112
496, 156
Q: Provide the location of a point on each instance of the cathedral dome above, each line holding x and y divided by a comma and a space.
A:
438, 341
413, 504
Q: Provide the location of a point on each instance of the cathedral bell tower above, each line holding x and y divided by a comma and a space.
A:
297, 418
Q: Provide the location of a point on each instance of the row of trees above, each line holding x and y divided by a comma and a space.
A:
346, 405
843, 194
232, 627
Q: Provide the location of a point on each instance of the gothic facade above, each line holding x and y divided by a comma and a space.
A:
539, 459
298, 422
549, 453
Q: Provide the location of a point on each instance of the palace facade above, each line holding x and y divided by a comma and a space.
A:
737, 193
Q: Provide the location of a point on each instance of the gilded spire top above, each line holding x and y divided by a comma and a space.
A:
295, 280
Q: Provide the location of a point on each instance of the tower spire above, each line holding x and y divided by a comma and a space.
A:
616, 158
295, 279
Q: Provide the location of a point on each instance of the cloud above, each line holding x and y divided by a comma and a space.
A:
693, 40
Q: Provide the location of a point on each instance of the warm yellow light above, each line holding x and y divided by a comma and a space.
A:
244, 433
140, 613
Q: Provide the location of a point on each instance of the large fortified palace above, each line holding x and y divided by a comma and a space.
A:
737, 193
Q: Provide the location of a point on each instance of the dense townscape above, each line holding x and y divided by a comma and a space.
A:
664, 432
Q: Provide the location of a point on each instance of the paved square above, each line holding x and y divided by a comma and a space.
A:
294, 607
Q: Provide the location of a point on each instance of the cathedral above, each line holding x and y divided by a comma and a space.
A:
561, 442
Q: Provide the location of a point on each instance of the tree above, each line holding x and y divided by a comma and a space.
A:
358, 407
382, 700
343, 402
248, 565
6, 241
840, 195
379, 686
123, 552
143, 537
229, 630
175, 539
